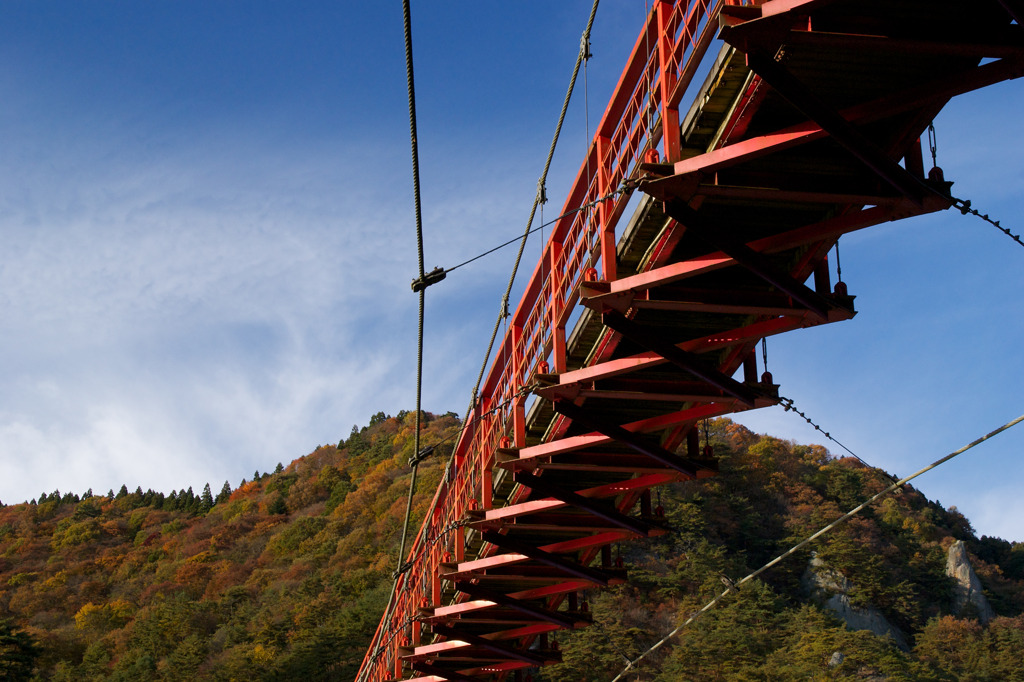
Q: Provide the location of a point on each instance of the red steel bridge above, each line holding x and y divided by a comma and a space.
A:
806, 126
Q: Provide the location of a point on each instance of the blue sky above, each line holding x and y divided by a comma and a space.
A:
208, 231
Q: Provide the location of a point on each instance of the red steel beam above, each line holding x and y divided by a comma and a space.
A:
469, 568
537, 612
621, 435
678, 357
543, 487
748, 258
884, 107
492, 646
837, 127
982, 47
547, 558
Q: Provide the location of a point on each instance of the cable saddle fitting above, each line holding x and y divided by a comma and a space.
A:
432, 277
585, 52
404, 568
421, 455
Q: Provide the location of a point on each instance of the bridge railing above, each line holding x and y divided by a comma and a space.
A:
642, 114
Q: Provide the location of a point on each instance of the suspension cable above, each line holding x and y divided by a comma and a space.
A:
964, 206
407, 17
533, 210
626, 186
788, 405
502, 314
410, 78
795, 548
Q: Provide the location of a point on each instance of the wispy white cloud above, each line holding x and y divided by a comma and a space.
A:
221, 308
219, 278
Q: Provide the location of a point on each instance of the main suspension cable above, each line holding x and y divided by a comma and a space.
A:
410, 78
423, 281
795, 548
407, 16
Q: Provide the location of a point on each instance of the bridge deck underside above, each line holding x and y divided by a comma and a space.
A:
796, 138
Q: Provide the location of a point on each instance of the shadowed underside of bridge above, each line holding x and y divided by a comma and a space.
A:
806, 127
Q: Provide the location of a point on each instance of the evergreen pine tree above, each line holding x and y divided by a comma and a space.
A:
225, 493
18, 652
206, 502
279, 468
278, 506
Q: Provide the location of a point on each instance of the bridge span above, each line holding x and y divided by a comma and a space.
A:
630, 332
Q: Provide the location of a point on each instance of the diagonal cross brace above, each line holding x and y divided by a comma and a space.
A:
547, 558
538, 612
655, 452
678, 357
438, 671
748, 258
490, 645
841, 130
569, 497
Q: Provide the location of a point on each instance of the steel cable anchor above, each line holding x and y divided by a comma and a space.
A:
425, 280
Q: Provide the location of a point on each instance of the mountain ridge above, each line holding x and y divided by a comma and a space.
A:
287, 575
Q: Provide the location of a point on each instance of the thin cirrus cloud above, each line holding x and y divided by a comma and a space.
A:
209, 243
218, 309
182, 305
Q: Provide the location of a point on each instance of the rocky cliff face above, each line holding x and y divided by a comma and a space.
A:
831, 589
968, 598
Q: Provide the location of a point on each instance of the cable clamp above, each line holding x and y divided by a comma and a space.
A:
404, 568
421, 455
432, 277
542, 192
585, 52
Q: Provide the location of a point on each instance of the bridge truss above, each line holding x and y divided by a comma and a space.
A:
806, 127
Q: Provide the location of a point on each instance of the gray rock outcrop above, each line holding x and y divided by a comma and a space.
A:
968, 598
831, 589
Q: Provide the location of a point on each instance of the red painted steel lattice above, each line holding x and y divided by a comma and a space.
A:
795, 138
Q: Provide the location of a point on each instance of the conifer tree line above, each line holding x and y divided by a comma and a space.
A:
184, 500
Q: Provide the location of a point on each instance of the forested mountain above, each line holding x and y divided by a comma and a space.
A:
286, 576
